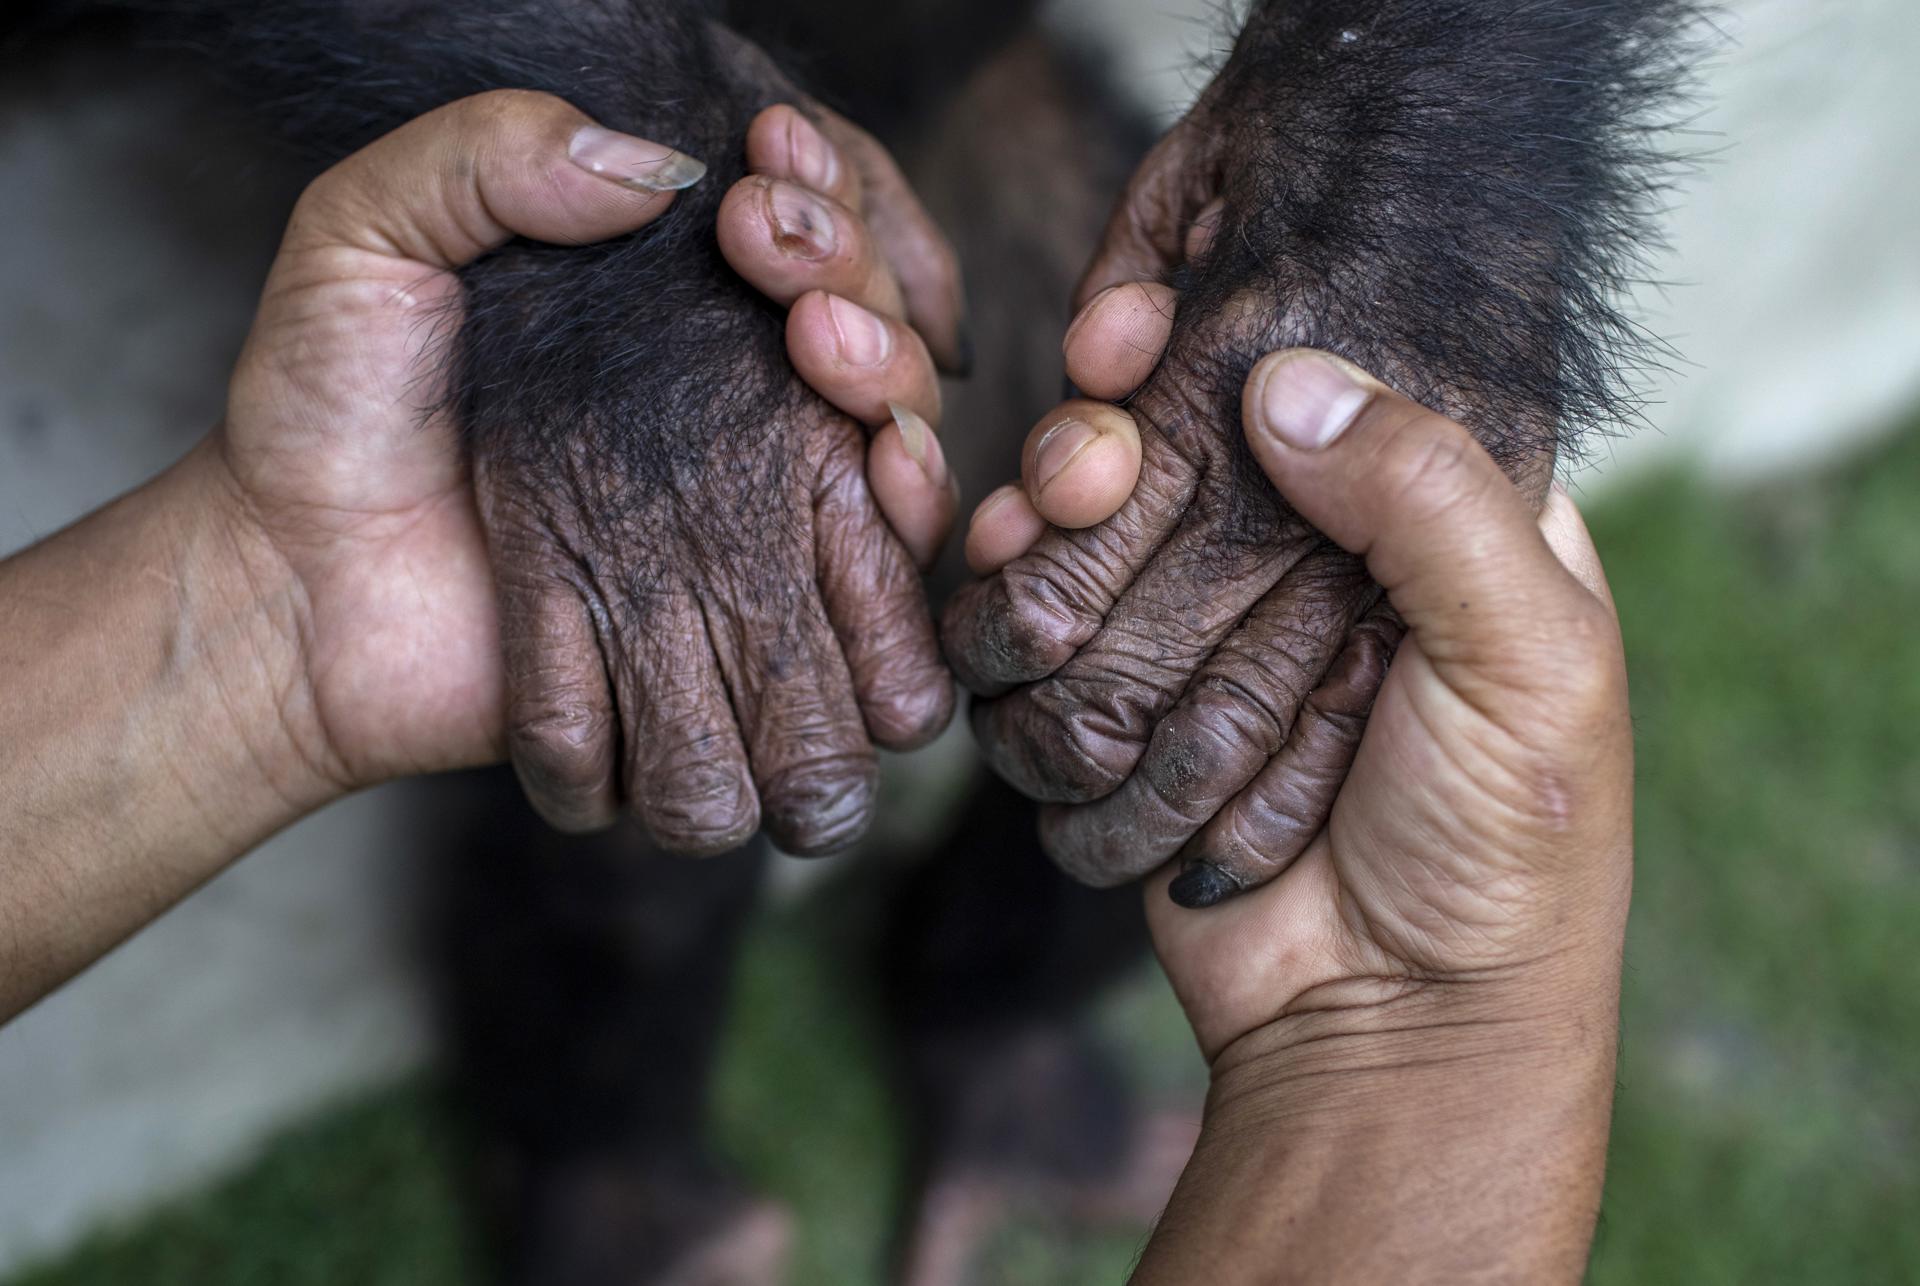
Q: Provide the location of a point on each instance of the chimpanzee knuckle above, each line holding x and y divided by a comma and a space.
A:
1069, 742
1052, 607
906, 695
699, 809
1200, 753
1261, 833
1222, 731
1084, 859
569, 730
821, 805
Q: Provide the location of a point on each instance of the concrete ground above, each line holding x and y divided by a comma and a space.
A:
138, 223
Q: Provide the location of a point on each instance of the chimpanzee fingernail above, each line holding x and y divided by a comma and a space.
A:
1309, 399
864, 339
922, 444
810, 157
1057, 449
1202, 885
633, 162
803, 226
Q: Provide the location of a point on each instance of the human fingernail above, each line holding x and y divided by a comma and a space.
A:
1309, 399
810, 157
864, 338
1057, 449
922, 444
1202, 885
633, 162
803, 227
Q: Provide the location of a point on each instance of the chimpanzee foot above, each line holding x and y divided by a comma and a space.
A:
1092, 1158
616, 1224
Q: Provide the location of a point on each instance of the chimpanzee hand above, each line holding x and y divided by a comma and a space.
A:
707, 619
1204, 648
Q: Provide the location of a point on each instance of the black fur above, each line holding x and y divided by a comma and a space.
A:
1453, 193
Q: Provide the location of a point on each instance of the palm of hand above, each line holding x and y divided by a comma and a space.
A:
1429, 868
367, 498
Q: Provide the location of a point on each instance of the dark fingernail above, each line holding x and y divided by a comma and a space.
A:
1202, 885
803, 226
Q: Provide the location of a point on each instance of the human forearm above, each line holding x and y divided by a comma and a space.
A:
150, 693
1436, 1138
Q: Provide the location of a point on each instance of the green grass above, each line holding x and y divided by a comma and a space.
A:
1769, 1114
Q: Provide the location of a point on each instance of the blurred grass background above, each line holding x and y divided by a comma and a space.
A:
1768, 1124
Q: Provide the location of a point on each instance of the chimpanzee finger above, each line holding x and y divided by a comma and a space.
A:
1234, 717
786, 240
873, 598
812, 762
561, 730
1004, 526
1080, 464
1077, 734
860, 361
917, 494
921, 257
783, 144
1115, 342
1025, 622
1260, 833
687, 778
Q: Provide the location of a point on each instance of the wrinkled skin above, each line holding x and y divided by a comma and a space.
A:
1189, 678
707, 621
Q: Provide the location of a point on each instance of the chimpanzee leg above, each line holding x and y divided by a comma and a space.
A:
586, 982
992, 957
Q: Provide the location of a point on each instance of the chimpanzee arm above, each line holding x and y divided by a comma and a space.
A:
1449, 192
703, 613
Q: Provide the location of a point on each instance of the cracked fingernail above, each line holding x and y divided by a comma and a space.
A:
633, 162
864, 338
1057, 449
1202, 885
1309, 399
813, 160
922, 444
803, 226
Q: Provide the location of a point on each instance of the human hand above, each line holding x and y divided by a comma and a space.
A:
338, 450
1481, 846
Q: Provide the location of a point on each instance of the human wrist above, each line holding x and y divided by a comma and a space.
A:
243, 612
151, 709
1448, 1132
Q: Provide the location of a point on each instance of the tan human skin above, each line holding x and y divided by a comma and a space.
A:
1411, 1027
303, 606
